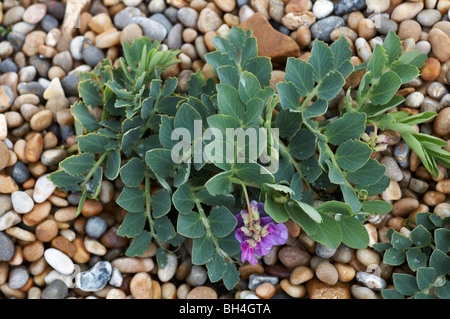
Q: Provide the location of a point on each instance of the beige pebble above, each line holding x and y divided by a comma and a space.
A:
202, 292
327, 273
141, 286
168, 291
94, 247
368, 256
266, 290
295, 291
115, 293
301, 274
21, 234
133, 264
345, 272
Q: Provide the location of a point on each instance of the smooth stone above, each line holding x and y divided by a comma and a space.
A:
406, 11
171, 13
43, 189
141, 286
343, 254
22, 202
401, 154
322, 29
55, 275
377, 5
31, 88
428, 17
116, 279
156, 6
152, 29
208, 20
35, 13
174, 38
414, 99
13, 15
360, 292
324, 252
371, 281
133, 264
161, 19
276, 10
197, 276
93, 55
9, 219
8, 65
188, 17
70, 84
23, 27
256, 280
327, 273
96, 278
16, 39
18, 277
392, 171
7, 98
95, 226
165, 274
202, 292
48, 23
59, 261
346, 6
77, 46
57, 289
320, 290
123, 18
442, 210
322, 8
6, 247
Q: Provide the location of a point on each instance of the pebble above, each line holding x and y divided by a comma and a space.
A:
43, 189
428, 17
133, 264
322, 8
300, 275
327, 273
322, 28
116, 279
377, 6
95, 226
9, 219
393, 170
346, 272
320, 290
323, 251
401, 154
371, 281
256, 280
22, 202
346, 6
266, 290
156, 6
151, 29
165, 274
360, 292
406, 11
59, 261
442, 210
202, 292
343, 254
294, 291
197, 276
92, 55
34, 13
174, 38
208, 20
55, 290
441, 124
368, 257
18, 277
96, 278
188, 17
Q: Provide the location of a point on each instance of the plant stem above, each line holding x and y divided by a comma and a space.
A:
94, 169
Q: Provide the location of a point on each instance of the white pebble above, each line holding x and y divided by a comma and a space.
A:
22, 202
43, 189
59, 261
323, 8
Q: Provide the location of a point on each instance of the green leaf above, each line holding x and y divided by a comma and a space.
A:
229, 102
183, 199
414, 58
369, 174
442, 239
217, 59
416, 258
335, 174
441, 262
231, 276
300, 217
377, 61
443, 291
420, 236
161, 257
392, 46
132, 172
354, 234
253, 173
260, 66
119, 90
112, 164
287, 123
160, 161
394, 257
423, 219
65, 182
335, 207
350, 197
289, 96
377, 207
94, 188
190, 225
406, 72
311, 168
391, 294
220, 183
160, 203
164, 228
202, 250
228, 74
90, 93
77, 165
330, 85
82, 114
249, 87
300, 73
318, 107
321, 60
352, 155
219, 200
221, 221
342, 54
132, 199
275, 210
377, 188
400, 241
216, 267
349, 127
132, 225
383, 91
95, 143
303, 145
405, 284
139, 244
230, 244
425, 277
328, 233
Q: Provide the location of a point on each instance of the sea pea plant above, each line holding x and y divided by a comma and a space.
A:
228, 162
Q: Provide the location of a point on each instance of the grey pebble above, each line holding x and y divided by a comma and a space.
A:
6, 247
70, 84
93, 55
323, 251
18, 277
197, 276
174, 38
49, 22
255, 280
31, 88
418, 186
152, 29
123, 18
20, 172
76, 46
392, 171
156, 6
74, 198
188, 17
53, 156
385, 25
162, 19
23, 27
370, 280
63, 60
346, 6
172, 14
401, 154
322, 29
41, 65
8, 65
95, 226
96, 278
57, 289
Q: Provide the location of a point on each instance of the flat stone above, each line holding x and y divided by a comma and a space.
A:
322, 29
57, 289
96, 278
18, 277
43, 189
22, 202
35, 13
346, 6
256, 280
155, 31
271, 43
6, 247
59, 261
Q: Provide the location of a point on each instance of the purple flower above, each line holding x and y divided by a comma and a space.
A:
257, 233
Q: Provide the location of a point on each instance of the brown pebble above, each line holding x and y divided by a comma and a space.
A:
404, 206
247, 270
320, 290
4, 155
141, 286
91, 208
443, 186
202, 292
327, 273
295, 291
292, 257
33, 251
366, 29
304, 36
301, 274
81, 255
409, 29
110, 239
34, 148
63, 244
431, 69
265, 290
7, 184
346, 273
46, 231
441, 123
